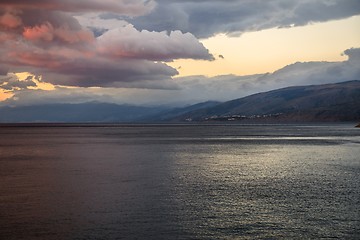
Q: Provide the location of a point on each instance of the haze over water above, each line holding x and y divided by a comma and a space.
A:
180, 182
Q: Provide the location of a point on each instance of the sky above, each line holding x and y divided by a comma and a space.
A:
172, 52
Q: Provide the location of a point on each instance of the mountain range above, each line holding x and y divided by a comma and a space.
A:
320, 103
330, 102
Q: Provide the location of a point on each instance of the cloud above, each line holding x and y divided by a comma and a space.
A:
48, 40
48, 33
137, 96
194, 89
121, 44
318, 72
206, 18
353, 54
125, 7
9, 20
11, 82
127, 42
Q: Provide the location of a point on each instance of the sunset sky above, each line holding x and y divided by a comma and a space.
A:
172, 51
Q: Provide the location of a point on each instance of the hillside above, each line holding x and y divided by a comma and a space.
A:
330, 102
175, 112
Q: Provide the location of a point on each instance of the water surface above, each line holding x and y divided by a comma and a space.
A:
180, 182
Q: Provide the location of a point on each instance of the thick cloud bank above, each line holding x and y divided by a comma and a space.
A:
120, 44
194, 89
127, 8
205, 18
43, 37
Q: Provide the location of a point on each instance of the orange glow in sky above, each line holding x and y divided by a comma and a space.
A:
40, 85
272, 49
22, 76
4, 95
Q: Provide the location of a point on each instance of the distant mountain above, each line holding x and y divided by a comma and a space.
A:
93, 112
330, 102
83, 112
175, 112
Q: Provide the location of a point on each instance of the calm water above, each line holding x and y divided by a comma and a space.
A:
180, 182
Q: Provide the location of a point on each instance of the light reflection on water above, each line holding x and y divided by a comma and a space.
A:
180, 182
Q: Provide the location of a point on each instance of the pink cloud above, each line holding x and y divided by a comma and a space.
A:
46, 32
9, 20
125, 7
37, 33
54, 44
73, 36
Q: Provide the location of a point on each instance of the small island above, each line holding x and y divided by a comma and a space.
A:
358, 126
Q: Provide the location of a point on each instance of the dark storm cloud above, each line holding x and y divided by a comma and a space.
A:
205, 18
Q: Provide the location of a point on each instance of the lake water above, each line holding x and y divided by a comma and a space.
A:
180, 182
